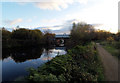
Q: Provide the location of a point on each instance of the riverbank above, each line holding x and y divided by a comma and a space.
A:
82, 63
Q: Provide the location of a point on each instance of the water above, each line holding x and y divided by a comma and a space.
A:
16, 62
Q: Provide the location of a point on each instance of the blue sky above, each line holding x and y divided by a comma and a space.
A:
59, 15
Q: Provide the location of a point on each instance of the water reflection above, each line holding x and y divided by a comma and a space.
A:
16, 61
22, 54
51, 53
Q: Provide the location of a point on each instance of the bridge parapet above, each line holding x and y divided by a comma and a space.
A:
62, 36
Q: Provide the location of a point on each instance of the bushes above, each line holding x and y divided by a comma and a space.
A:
52, 71
86, 58
85, 52
117, 45
80, 64
39, 78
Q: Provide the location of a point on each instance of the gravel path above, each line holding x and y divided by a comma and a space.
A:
110, 64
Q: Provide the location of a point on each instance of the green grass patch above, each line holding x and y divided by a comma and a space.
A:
112, 48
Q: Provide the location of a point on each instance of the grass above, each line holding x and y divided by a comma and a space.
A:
111, 48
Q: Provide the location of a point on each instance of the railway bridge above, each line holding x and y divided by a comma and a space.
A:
60, 40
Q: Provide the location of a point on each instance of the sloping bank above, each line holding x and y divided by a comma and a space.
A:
80, 64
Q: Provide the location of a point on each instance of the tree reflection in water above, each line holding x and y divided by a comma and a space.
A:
22, 54
25, 58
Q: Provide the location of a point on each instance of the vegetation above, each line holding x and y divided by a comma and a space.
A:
24, 38
49, 38
112, 47
80, 64
83, 33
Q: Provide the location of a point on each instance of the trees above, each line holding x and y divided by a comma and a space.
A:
6, 38
102, 35
49, 37
20, 34
22, 37
26, 36
117, 36
5, 34
82, 33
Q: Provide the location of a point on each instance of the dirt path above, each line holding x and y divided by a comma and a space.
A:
110, 64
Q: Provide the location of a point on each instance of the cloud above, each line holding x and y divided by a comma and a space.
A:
57, 27
57, 4
13, 22
49, 20
83, 1
60, 29
65, 27
64, 24
97, 25
72, 21
53, 4
29, 20
105, 13
34, 17
50, 4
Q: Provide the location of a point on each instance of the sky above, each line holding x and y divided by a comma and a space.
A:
58, 15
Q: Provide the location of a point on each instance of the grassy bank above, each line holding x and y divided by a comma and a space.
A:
80, 64
112, 47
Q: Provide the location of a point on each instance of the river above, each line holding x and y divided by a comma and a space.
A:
16, 62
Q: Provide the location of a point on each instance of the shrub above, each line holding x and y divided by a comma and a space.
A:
80, 64
117, 45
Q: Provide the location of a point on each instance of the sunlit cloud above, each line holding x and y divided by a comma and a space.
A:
50, 4
105, 13
52, 28
57, 4
83, 1
13, 22
60, 29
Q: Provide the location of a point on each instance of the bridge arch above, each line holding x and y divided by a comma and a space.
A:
60, 40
